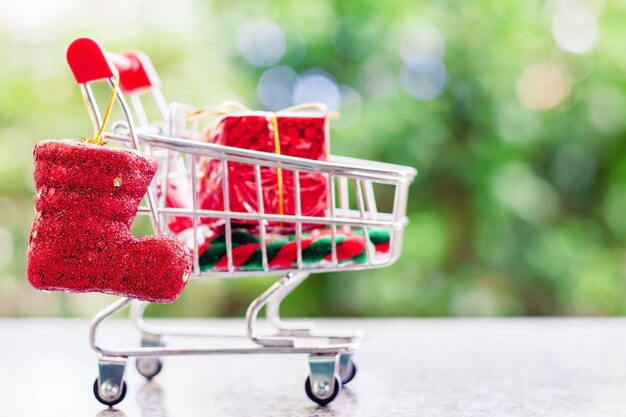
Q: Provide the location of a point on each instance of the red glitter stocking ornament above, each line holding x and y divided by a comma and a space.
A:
87, 197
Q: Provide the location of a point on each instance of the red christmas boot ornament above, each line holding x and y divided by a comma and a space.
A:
87, 197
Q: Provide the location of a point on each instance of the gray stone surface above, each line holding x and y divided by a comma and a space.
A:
458, 367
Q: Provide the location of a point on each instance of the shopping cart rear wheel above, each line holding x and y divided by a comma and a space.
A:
347, 372
326, 400
148, 367
114, 394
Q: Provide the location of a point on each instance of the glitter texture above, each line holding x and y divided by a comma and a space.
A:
81, 240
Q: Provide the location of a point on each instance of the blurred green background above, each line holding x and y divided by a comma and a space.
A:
514, 113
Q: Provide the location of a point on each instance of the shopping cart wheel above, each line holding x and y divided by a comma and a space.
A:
347, 370
321, 392
148, 367
109, 393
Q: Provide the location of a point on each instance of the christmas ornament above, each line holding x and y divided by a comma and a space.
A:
87, 197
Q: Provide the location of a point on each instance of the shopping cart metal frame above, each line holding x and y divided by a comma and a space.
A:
329, 352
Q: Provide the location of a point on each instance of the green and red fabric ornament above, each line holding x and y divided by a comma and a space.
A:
247, 251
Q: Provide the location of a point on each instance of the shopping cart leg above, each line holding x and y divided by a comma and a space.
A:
109, 387
147, 366
105, 313
257, 305
272, 311
304, 328
150, 366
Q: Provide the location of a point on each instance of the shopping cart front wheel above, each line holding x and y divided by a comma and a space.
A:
109, 393
321, 392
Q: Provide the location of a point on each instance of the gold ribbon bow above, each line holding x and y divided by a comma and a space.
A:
97, 139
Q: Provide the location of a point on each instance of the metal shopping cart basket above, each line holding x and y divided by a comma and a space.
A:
353, 187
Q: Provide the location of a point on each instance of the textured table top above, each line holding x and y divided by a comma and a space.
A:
407, 367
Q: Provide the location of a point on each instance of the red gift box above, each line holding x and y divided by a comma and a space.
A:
301, 135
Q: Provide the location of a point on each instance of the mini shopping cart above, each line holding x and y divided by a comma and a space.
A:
353, 187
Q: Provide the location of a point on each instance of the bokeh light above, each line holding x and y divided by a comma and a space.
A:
574, 24
261, 42
275, 87
425, 82
317, 86
579, 11
542, 86
423, 75
574, 37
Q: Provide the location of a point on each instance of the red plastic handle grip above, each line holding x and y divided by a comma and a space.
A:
88, 61
136, 71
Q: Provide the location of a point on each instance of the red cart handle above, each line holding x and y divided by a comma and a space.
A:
136, 71
90, 62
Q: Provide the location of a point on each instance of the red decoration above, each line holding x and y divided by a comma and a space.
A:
88, 61
179, 195
303, 136
136, 72
87, 197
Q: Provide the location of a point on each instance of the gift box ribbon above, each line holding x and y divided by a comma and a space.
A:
279, 171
